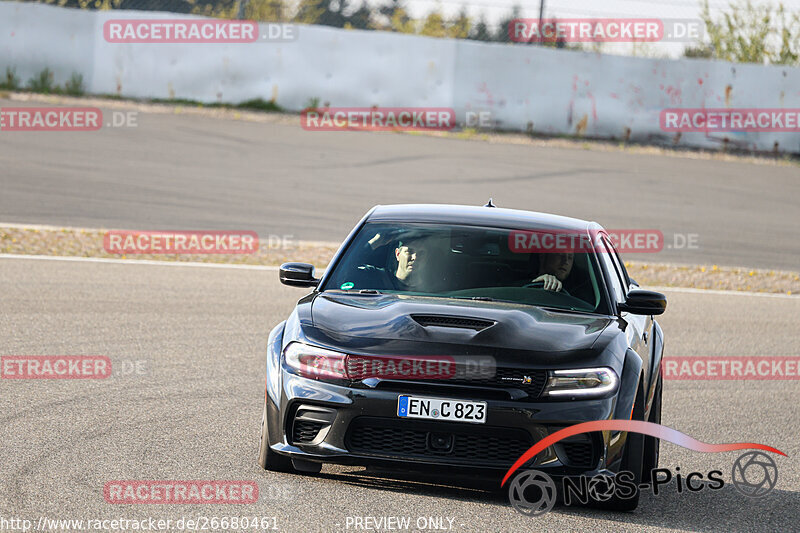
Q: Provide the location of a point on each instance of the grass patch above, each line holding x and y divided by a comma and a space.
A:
259, 104
180, 101
74, 86
43, 83
10, 82
471, 133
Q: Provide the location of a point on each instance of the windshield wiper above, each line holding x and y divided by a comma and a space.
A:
362, 291
575, 310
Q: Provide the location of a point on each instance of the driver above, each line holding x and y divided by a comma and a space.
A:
557, 274
409, 255
554, 270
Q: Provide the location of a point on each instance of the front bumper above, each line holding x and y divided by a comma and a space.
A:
329, 423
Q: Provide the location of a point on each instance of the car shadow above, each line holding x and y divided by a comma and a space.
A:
707, 510
459, 487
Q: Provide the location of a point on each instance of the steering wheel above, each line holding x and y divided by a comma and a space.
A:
540, 285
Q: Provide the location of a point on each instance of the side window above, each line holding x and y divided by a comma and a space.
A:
606, 254
623, 274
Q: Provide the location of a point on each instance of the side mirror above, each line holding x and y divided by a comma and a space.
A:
641, 302
298, 275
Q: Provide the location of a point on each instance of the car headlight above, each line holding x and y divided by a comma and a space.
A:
583, 382
314, 362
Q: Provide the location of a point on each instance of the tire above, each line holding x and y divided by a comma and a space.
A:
652, 445
268, 459
632, 461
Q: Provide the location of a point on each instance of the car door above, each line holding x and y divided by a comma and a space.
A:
639, 326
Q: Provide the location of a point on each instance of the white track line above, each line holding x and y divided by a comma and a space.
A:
274, 268
59, 229
45, 227
137, 262
717, 291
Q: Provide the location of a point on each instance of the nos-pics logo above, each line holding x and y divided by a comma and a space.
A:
533, 492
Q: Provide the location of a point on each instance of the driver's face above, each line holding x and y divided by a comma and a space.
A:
559, 265
407, 257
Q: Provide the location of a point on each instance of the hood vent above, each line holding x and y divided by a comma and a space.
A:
452, 322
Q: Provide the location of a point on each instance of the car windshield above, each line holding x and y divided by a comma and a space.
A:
469, 262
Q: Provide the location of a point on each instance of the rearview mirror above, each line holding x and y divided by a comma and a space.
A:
298, 275
641, 302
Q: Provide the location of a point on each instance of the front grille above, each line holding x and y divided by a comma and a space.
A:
579, 450
307, 421
452, 322
509, 378
482, 446
305, 431
578, 453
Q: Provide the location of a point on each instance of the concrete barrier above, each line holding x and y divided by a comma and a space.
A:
525, 88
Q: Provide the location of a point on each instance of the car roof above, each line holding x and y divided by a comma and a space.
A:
476, 216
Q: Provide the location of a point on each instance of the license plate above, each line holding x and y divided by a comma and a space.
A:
437, 409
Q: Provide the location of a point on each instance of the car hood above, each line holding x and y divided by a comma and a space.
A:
394, 324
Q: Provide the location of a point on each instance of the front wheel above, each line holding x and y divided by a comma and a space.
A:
652, 444
268, 459
632, 463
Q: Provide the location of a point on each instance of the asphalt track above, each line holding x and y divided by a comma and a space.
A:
178, 171
194, 413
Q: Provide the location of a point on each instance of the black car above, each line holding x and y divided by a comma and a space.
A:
438, 338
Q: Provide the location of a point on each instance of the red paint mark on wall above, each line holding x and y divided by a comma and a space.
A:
674, 94
484, 88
